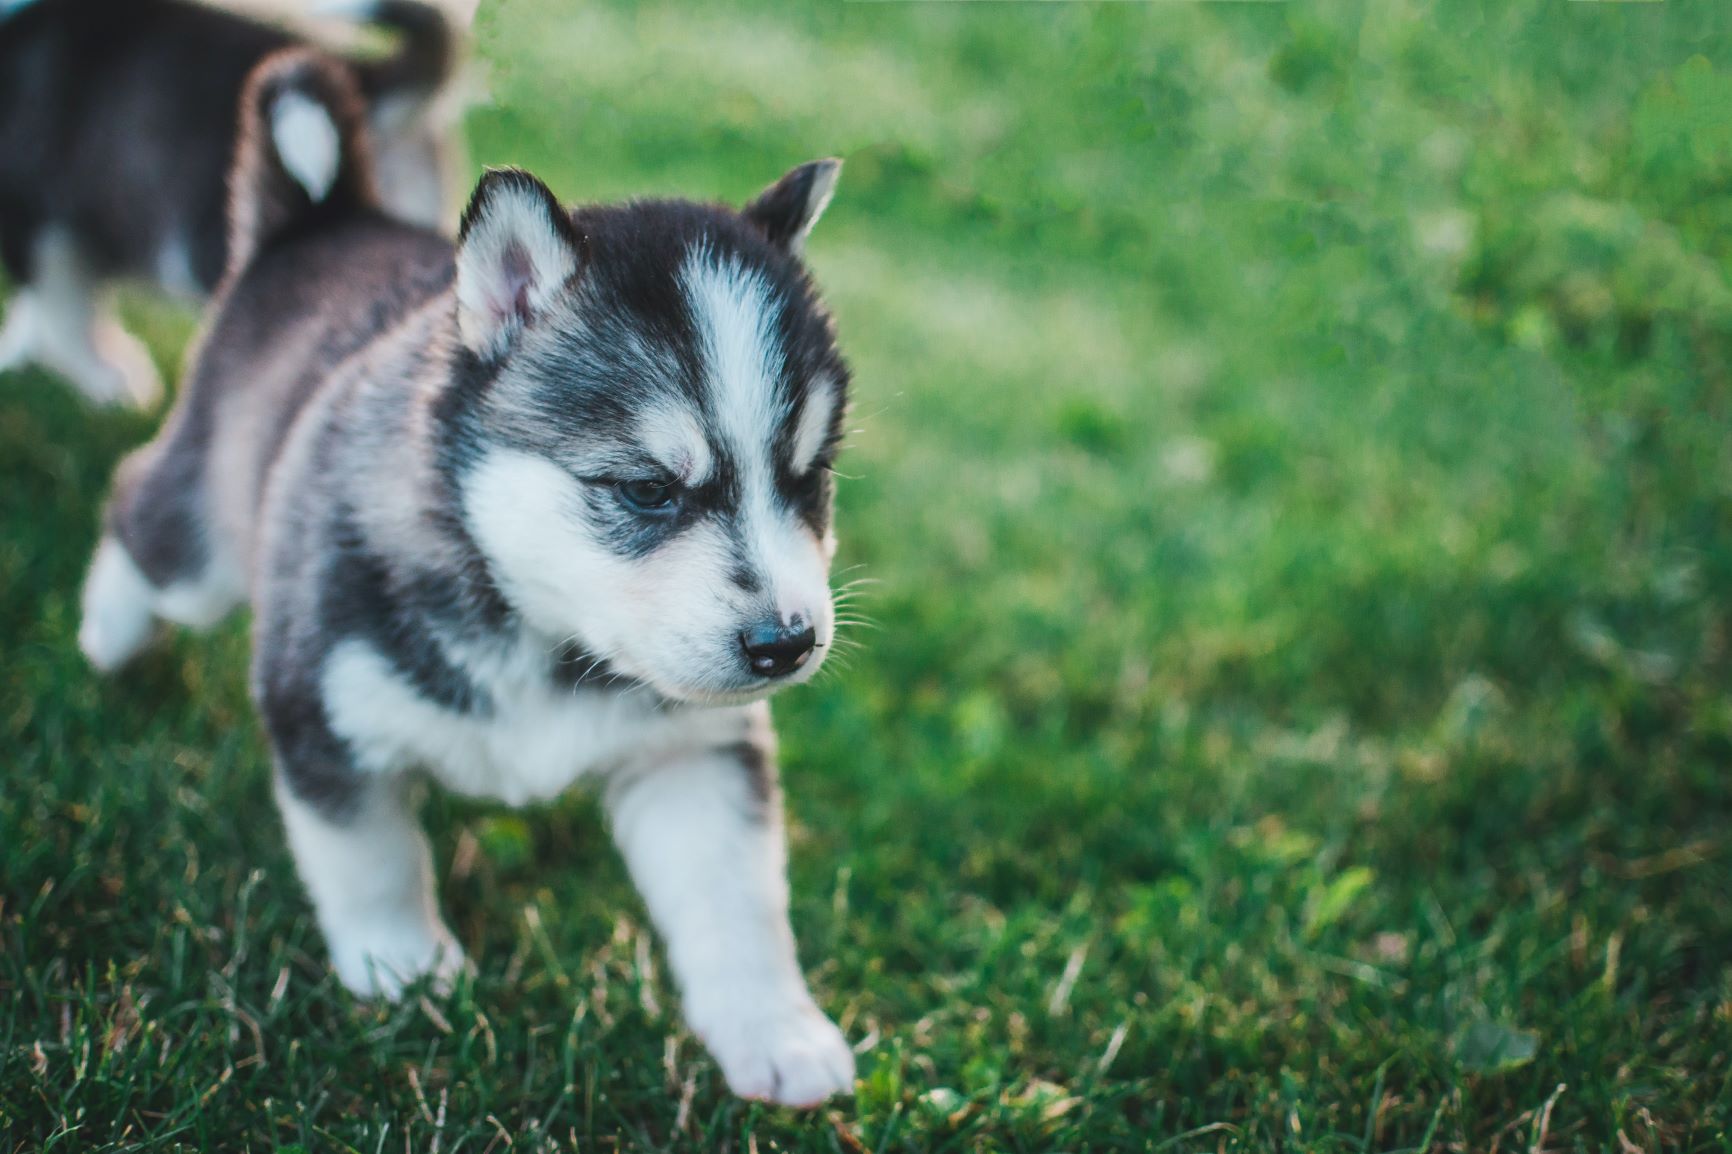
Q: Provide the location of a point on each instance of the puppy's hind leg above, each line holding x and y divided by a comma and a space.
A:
18, 334
119, 615
156, 558
74, 331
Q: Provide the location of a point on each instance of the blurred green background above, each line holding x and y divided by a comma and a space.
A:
1291, 460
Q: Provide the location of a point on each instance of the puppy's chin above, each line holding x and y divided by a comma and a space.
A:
720, 698
719, 694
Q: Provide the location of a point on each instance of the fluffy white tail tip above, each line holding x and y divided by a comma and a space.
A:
307, 142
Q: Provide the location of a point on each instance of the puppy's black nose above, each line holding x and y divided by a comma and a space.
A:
776, 650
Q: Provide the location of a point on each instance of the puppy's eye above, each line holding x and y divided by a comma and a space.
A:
648, 496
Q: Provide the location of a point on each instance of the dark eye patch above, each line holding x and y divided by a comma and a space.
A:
628, 531
649, 497
636, 506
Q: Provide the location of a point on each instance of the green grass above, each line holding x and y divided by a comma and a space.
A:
1293, 456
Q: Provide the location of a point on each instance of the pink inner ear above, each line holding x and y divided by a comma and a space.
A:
516, 275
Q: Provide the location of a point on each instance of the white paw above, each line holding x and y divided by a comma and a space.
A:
794, 1057
108, 641
117, 619
18, 336
101, 383
380, 962
130, 375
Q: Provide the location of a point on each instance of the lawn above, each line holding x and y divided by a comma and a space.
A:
1294, 466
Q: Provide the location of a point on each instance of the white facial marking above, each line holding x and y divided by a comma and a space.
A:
671, 619
813, 425
741, 352
673, 614
673, 437
525, 514
307, 142
744, 360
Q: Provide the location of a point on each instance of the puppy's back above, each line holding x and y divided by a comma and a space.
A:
316, 271
117, 120
89, 91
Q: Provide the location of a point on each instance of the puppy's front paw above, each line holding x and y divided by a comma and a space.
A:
794, 1057
382, 962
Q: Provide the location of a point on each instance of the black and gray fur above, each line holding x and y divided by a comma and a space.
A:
117, 134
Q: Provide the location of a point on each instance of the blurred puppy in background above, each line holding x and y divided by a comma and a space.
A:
117, 132
552, 504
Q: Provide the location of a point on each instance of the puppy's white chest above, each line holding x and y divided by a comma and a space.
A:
533, 743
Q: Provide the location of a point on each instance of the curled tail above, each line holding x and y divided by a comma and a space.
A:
424, 56
301, 150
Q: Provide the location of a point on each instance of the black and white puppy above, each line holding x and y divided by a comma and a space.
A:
117, 128
553, 506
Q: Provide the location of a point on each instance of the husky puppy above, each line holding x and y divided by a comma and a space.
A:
554, 505
116, 136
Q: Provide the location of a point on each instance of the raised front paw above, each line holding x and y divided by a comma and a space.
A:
794, 1057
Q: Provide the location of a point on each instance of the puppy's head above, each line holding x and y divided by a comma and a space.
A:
648, 404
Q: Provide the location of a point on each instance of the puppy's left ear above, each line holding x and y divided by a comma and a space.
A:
788, 209
516, 249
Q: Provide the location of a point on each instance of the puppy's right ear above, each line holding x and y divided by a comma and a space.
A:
516, 249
